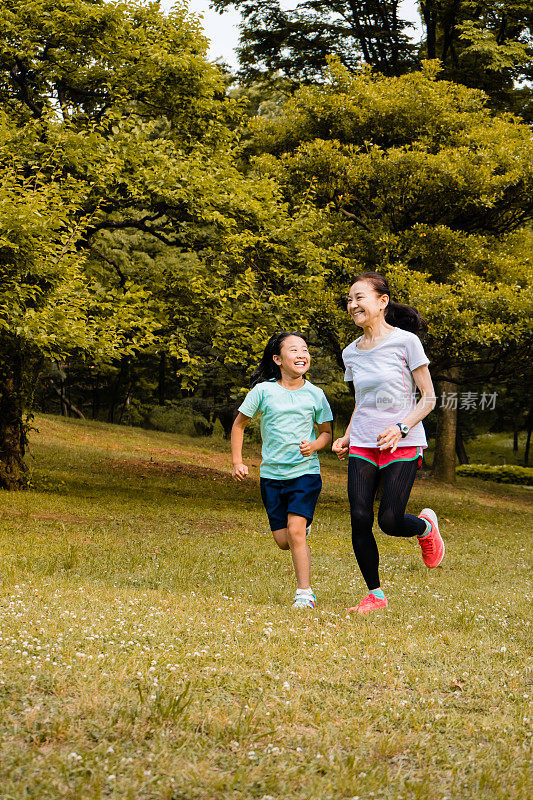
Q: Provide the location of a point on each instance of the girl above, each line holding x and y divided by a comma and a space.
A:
385, 437
290, 480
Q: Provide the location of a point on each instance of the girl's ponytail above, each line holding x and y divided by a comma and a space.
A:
266, 369
401, 316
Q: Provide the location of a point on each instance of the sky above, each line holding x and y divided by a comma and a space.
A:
222, 30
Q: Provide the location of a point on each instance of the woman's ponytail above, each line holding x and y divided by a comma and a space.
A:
267, 369
405, 317
401, 316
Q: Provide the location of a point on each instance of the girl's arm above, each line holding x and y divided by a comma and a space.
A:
391, 437
323, 439
240, 470
342, 445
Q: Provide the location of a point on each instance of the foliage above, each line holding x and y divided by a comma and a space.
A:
297, 41
418, 179
207, 260
98, 101
486, 45
85, 58
508, 473
49, 306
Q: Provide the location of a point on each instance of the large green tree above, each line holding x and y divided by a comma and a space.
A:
100, 104
49, 304
486, 44
298, 40
113, 110
420, 180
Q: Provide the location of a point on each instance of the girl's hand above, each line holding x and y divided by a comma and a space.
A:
341, 447
390, 437
307, 448
239, 472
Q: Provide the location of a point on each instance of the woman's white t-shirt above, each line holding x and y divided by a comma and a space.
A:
385, 391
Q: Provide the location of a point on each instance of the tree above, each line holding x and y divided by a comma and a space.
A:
298, 41
48, 304
97, 100
485, 45
419, 179
113, 110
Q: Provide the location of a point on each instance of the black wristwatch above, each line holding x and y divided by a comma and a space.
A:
404, 429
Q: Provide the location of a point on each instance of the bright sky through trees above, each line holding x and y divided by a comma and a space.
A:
223, 29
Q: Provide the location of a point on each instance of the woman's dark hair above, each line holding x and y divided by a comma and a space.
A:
267, 369
397, 314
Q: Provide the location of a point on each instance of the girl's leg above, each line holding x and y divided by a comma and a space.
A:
362, 482
281, 538
301, 557
398, 479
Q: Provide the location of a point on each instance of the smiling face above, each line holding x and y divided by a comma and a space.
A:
365, 305
294, 358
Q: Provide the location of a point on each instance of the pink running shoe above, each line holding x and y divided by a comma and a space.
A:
431, 545
369, 603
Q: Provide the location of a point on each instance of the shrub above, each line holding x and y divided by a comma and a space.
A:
507, 473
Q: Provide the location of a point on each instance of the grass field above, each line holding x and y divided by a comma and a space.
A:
148, 648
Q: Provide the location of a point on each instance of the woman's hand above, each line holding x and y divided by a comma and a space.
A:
390, 437
239, 472
341, 447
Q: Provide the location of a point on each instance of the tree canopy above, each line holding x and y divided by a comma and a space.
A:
420, 180
485, 45
156, 221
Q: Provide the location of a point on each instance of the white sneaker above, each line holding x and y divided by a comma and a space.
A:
308, 530
305, 600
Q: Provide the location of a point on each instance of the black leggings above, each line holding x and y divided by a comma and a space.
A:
363, 479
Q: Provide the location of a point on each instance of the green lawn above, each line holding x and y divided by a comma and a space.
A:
148, 648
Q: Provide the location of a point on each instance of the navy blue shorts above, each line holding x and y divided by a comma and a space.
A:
290, 496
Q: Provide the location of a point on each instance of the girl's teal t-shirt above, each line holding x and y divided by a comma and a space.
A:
287, 419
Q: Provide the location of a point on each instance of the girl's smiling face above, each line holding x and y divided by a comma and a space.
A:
294, 358
364, 304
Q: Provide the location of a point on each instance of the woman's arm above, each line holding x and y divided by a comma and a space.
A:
391, 436
240, 470
427, 400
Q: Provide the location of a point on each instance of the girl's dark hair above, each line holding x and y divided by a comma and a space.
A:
267, 369
397, 314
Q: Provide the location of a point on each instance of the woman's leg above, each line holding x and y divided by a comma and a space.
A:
362, 482
398, 478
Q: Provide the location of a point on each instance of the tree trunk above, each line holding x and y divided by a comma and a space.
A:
444, 459
161, 383
13, 471
96, 396
529, 428
117, 385
64, 411
226, 411
66, 402
460, 448
430, 21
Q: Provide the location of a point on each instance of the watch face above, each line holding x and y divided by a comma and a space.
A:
404, 429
